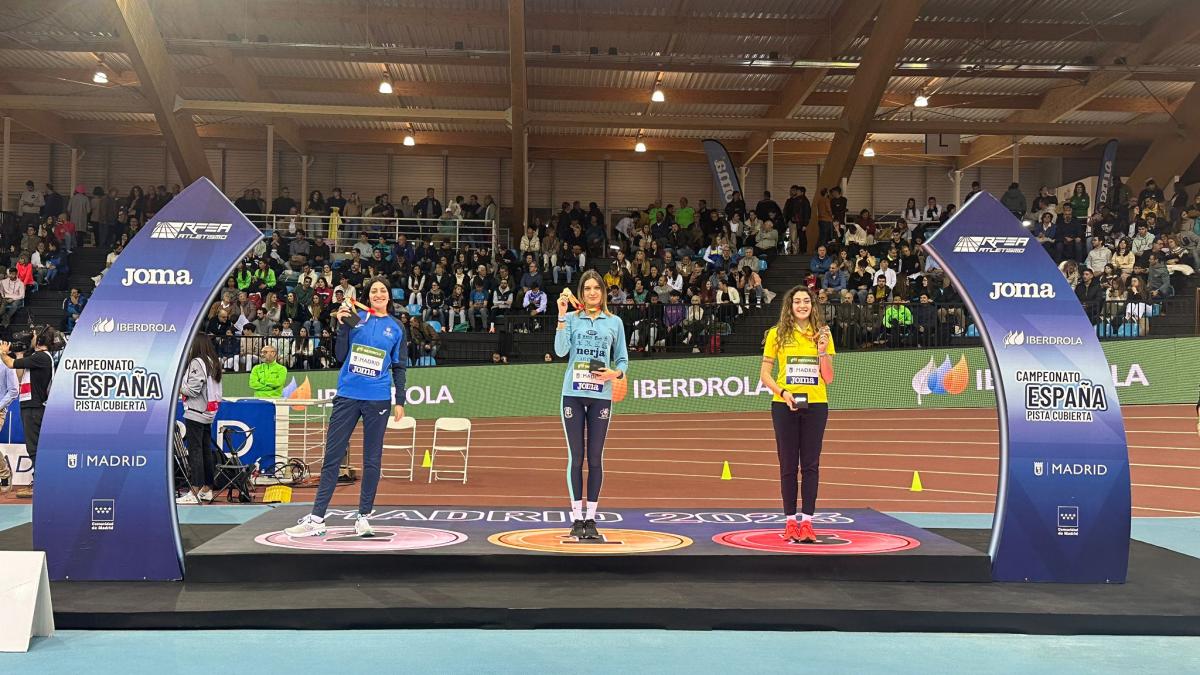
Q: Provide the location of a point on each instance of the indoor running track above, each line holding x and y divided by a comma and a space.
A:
868, 460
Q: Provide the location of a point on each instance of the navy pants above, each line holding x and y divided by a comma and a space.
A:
585, 423
798, 435
346, 412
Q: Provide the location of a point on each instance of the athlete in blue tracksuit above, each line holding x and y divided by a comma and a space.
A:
589, 335
370, 385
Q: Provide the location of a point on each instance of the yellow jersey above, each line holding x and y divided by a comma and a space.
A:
796, 365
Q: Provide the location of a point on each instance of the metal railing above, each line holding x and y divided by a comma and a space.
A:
666, 329
344, 234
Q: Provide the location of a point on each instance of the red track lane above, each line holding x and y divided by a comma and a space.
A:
869, 456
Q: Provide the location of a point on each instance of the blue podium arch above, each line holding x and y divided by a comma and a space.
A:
104, 506
1063, 499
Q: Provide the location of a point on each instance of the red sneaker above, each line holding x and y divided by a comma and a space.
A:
807, 535
792, 532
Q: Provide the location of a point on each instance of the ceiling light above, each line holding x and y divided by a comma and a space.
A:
409, 141
100, 77
385, 86
640, 147
658, 96
868, 151
921, 101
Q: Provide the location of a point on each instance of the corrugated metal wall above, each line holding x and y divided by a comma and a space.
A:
787, 175
137, 166
216, 162
691, 180
93, 164
412, 175
247, 170
578, 180
467, 176
634, 184
365, 174
892, 186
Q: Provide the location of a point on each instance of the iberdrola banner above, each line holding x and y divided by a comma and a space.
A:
104, 505
1062, 507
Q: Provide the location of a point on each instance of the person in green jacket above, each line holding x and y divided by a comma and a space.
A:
267, 378
897, 322
244, 277
264, 278
1080, 201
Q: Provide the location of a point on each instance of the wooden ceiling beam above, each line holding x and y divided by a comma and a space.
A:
369, 87
850, 18
1179, 21
626, 62
241, 75
780, 26
869, 83
45, 124
72, 103
267, 108
1169, 156
382, 141
598, 120
143, 44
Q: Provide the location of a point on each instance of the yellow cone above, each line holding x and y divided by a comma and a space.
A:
916, 483
725, 473
278, 494
427, 463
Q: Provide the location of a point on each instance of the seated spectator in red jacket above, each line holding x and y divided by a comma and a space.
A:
25, 270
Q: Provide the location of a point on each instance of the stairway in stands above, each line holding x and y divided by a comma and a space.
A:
784, 272
46, 306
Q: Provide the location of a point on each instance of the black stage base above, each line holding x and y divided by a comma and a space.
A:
415, 543
1161, 598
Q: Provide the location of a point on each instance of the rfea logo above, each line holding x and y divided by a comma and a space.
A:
946, 379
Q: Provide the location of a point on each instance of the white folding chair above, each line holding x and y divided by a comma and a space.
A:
410, 447
452, 425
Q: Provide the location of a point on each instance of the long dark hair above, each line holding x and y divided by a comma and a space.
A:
786, 330
202, 348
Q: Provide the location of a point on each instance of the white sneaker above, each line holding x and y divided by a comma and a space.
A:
187, 498
308, 526
206, 495
362, 526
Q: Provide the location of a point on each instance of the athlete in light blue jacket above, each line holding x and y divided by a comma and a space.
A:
370, 384
593, 340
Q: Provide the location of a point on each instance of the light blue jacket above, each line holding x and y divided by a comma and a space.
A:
584, 339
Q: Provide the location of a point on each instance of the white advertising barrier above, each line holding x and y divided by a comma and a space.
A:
25, 608
18, 462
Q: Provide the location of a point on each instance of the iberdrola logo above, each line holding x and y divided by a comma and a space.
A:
302, 391
943, 379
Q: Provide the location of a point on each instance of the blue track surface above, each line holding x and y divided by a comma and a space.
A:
263, 652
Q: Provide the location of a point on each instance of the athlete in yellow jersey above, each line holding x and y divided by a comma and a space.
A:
797, 365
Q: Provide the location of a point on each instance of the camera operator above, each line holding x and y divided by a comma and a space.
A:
9, 389
36, 370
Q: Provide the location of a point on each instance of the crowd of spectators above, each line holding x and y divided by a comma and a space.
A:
1124, 257
676, 274
38, 244
877, 288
